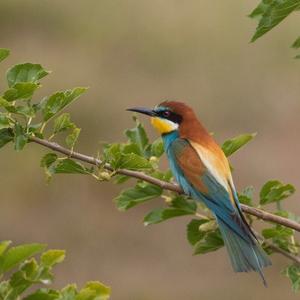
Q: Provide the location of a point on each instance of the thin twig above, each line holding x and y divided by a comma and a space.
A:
294, 258
260, 214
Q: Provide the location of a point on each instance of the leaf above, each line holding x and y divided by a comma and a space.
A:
56, 102
183, 203
53, 257
20, 137
234, 144
69, 166
163, 214
4, 121
69, 292
3, 246
43, 294
296, 44
6, 136
258, 12
277, 232
20, 91
112, 154
3, 53
142, 192
133, 161
94, 290
271, 13
25, 73
274, 191
47, 162
246, 196
18, 254
212, 241
138, 135
72, 138
194, 235
157, 148
293, 273
118, 157
63, 122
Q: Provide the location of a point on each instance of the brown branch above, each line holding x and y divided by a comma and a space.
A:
260, 214
294, 258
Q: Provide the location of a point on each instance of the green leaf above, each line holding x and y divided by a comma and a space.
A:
246, 196
20, 91
194, 235
296, 44
4, 121
277, 232
212, 241
293, 273
133, 161
271, 13
6, 136
163, 214
43, 294
63, 122
157, 148
53, 257
21, 138
118, 157
3, 246
112, 154
16, 255
274, 191
262, 8
48, 159
69, 292
138, 135
142, 192
183, 203
234, 144
94, 290
25, 73
47, 162
69, 166
72, 138
56, 102
3, 53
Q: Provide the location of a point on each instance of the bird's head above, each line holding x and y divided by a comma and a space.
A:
167, 116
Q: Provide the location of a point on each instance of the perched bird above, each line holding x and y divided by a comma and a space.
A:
203, 172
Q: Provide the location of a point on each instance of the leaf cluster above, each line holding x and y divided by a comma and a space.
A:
270, 13
21, 272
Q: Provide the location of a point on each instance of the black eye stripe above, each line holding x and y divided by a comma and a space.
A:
170, 115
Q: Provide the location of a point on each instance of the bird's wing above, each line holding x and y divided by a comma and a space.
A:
203, 174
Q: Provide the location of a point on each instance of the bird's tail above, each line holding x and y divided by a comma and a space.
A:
245, 253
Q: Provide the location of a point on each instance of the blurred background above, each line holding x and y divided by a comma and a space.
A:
139, 53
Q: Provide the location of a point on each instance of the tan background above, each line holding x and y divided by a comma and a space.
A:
138, 52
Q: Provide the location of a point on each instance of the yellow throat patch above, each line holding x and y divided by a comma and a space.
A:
162, 125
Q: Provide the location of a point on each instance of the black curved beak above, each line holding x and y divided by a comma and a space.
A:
142, 110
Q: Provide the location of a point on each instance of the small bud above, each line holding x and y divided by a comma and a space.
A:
104, 175
208, 226
167, 199
153, 159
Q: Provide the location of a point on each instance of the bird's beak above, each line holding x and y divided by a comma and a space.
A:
142, 110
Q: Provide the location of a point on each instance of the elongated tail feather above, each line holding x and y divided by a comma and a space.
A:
244, 256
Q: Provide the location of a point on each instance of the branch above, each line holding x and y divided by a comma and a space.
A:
260, 214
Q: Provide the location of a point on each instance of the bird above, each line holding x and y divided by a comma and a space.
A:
202, 170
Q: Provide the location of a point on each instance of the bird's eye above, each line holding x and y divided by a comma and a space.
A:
166, 114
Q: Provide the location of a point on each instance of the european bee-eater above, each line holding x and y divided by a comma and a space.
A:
203, 172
